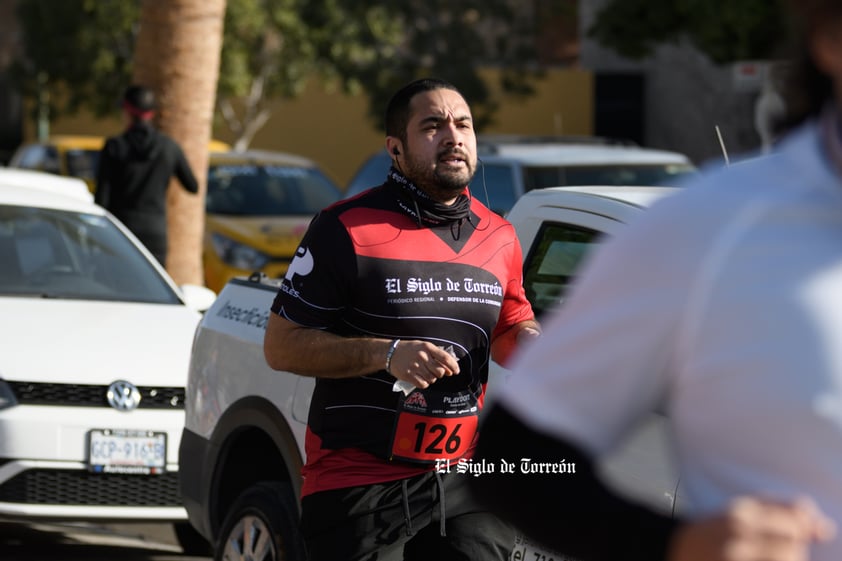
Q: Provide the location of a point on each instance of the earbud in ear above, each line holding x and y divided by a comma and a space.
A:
395, 151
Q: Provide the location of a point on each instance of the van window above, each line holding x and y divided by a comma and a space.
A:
669, 175
371, 174
552, 262
494, 185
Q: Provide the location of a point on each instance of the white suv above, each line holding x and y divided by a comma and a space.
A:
94, 349
512, 165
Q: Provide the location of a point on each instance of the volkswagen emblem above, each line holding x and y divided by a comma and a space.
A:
123, 396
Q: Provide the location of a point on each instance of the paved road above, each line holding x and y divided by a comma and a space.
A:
84, 542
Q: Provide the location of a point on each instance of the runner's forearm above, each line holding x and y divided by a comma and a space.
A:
313, 352
507, 343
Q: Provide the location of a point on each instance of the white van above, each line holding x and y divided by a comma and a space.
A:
510, 165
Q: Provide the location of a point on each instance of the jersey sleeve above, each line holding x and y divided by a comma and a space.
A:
315, 289
515, 308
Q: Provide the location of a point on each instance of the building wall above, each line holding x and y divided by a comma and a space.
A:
686, 95
333, 129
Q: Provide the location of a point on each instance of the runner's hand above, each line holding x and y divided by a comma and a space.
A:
754, 529
421, 363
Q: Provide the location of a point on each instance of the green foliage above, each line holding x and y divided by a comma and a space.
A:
265, 40
84, 48
378, 46
725, 30
271, 48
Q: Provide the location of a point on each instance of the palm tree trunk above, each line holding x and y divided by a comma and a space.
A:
177, 55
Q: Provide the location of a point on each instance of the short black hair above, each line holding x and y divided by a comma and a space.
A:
397, 110
140, 97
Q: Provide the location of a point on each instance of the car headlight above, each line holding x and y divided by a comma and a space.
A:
7, 396
238, 255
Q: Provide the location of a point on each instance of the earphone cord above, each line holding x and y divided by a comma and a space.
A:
417, 210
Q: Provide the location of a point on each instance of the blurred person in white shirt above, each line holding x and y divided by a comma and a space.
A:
723, 305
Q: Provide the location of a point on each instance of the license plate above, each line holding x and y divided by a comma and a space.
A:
127, 451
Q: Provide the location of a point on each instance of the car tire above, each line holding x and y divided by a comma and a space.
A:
191, 541
262, 525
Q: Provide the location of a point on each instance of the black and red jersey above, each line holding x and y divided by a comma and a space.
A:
367, 267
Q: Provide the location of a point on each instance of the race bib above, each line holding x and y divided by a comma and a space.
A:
434, 426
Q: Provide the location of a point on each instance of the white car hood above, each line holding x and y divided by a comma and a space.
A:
84, 342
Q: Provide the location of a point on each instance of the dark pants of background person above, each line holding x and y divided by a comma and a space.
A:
402, 521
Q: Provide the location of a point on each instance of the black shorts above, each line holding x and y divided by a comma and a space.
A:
403, 520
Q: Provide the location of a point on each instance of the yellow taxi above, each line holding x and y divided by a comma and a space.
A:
76, 155
258, 206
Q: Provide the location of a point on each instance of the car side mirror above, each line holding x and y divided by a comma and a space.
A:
199, 298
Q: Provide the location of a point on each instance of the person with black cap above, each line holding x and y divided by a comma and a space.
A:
135, 169
720, 307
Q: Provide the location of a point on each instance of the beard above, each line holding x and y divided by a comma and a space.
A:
439, 182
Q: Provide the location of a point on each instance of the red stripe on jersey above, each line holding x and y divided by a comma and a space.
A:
373, 232
348, 467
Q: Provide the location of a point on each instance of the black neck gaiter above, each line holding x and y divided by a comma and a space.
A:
417, 204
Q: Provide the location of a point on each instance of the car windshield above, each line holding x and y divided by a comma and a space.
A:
550, 176
252, 190
59, 254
